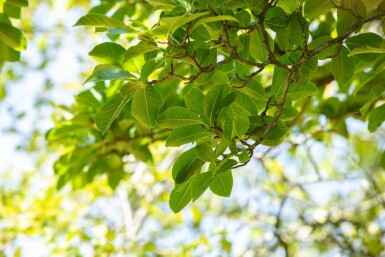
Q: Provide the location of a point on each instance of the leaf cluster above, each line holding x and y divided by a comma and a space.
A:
221, 78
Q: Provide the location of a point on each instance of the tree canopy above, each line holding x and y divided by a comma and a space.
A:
215, 87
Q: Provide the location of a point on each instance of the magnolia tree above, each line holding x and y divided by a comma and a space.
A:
224, 82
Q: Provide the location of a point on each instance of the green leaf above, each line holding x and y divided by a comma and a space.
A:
291, 37
288, 5
315, 8
200, 33
288, 113
376, 117
204, 152
228, 99
254, 90
325, 53
222, 184
275, 135
185, 166
140, 48
244, 156
110, 111
11, 10
243, 46
12, 37
243, 17
8, 54
131, 87
345, 20
220, 78
194, 100
108, 53
279, 81
212, 102
21, 3
179, 199
184, 135
99, 20
114, 169
244, 103
141, 152
343, 67
241, 124
146, 104
257, 48
213, 19
108, 74
365, 46
200, 183
176, 117
164, 5
169, 25
366, 49
206, 57
225, 165
383, 160
149, 68
299, 91
276, 19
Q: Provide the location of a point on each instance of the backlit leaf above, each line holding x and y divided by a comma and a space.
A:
204, 152
110, 111
222, 184
99, 20
194, 100
200, 183
146, 104
179, 199
108, 74
185, 166
108, 53
213, 19
376, 118
184, 135
176, 117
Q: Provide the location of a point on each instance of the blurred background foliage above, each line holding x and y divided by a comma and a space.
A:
320, 193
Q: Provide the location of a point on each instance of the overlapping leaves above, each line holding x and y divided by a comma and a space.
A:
221, 78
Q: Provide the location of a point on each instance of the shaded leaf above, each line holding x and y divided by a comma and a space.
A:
212, 102
343, 67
